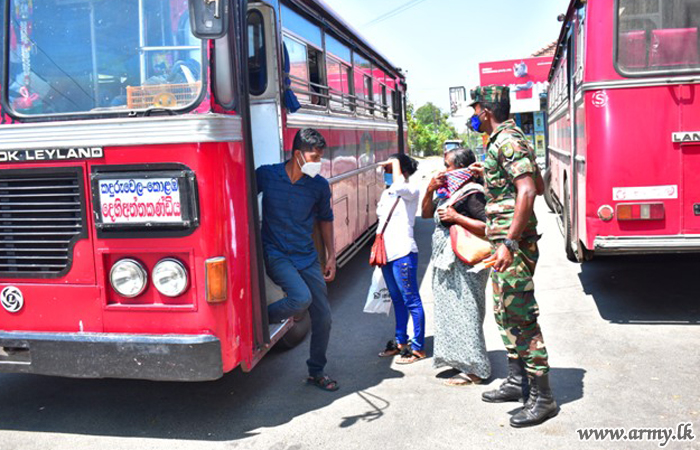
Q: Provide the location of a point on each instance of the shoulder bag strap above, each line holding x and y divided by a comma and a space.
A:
388, 218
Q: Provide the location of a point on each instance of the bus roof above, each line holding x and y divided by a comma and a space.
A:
329, 16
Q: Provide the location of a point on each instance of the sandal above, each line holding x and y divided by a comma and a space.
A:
462, 379
323, 382
410, 356
392, 349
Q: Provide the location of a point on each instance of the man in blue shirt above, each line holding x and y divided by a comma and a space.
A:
294, 197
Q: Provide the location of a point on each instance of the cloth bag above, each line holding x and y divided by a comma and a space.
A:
378, 297
377, 257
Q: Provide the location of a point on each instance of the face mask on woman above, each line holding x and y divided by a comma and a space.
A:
388, 179
310, 168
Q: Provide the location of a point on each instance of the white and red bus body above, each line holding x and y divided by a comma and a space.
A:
624, 128
126, 155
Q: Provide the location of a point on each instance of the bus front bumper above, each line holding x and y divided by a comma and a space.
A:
640, 245
108, 355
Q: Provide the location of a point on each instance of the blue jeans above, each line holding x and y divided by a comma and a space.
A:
305, 289
401, 277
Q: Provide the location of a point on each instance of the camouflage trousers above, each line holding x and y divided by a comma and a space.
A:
516, 309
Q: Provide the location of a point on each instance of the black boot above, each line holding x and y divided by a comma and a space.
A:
513, 389
540, 405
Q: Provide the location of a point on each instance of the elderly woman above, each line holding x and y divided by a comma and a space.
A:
459, 293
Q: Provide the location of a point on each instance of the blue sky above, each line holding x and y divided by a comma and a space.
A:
440, 43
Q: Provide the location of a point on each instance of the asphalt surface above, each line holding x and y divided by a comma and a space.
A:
622, 333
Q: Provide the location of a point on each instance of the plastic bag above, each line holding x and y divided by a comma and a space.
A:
378, 298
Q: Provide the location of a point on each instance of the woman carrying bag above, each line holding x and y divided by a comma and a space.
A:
459, 291
397, 214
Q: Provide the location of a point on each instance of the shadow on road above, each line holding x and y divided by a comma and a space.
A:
231, 408
644, 289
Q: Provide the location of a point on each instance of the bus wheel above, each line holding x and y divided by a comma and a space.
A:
548, 190
570, 253
297, 333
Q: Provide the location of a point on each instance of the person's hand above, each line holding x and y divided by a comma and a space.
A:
329, 270
501, 260
477, 169
437, 182
448, 215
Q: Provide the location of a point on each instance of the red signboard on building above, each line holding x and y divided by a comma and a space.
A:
527, 79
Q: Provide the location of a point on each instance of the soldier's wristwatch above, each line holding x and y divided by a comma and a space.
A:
511, 245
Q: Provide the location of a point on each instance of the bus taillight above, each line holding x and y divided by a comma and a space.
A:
641, 211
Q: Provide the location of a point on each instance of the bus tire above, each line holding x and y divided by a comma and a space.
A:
297, 333
566, 211
548, 190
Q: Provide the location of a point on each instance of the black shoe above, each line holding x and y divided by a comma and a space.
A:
540, 405
514, 388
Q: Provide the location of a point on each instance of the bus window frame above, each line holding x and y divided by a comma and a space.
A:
322, 67
264, 50
6, 105
644, 73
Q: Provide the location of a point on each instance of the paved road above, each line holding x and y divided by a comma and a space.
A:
623, 335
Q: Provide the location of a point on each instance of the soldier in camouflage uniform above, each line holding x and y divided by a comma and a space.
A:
513, 180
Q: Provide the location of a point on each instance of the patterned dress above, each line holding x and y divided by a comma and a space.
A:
460, 306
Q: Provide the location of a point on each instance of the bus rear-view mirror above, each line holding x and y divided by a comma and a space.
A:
209, 18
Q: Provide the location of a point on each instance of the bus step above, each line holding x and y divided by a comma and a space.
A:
277, 329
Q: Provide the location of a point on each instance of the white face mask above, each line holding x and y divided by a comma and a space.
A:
310, 168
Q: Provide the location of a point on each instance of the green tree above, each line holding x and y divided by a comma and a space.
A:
428, 129
472, 140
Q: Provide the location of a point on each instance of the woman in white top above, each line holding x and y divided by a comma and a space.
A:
400, 273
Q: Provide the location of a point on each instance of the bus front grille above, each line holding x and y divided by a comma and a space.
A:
42, 216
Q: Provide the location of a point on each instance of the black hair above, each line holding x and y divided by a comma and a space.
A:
500, 110
463, 157
308, 139
408, 165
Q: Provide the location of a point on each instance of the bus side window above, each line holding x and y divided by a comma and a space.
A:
304, 40
368, 94
316, 84
385, 108
257, 55
338, 84
339, 74
363, 84
298, 68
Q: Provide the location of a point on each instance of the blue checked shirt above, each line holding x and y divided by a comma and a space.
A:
289, 211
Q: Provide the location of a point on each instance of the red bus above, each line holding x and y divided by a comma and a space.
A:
130, 133
624, 128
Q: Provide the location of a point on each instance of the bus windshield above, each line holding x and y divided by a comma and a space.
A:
101, 56
658, 36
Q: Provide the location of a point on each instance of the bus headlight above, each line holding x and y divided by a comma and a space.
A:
170, 277
128, 278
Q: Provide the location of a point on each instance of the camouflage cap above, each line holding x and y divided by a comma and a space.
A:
488, 94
